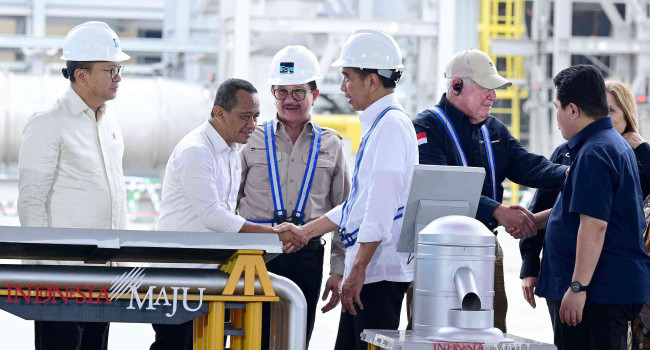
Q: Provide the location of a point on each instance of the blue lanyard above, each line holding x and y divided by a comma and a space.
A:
350, 238
280, 213
461, 155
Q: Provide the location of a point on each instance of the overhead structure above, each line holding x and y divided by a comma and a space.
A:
618, 43
504, 19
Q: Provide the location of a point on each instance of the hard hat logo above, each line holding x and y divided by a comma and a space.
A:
93, 41
286, 68
297, 65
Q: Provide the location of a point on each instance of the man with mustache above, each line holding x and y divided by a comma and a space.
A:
301, 176
70, 163
201, 183
376, 275
460, 131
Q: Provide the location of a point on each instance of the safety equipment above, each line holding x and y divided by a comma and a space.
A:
93, 41
294, 65
369, 48
280, 213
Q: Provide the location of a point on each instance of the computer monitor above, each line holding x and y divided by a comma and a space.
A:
437, 191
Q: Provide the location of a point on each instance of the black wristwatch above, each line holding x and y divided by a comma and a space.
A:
576, 287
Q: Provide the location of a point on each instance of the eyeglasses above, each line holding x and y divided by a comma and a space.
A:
114, 71
297, 94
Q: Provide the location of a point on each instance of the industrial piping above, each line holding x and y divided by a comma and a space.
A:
289, 312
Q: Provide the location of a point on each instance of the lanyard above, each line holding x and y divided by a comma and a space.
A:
280, 213
459, 151
350, 238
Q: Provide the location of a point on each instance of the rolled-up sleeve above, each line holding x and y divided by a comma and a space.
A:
335, 214
196, 173
37, 163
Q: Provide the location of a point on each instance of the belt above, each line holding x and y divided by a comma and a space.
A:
314, 244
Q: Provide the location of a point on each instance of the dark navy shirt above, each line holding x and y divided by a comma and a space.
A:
531, 247
603, 183
512, 160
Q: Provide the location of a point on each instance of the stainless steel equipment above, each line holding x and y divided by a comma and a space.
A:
454, 281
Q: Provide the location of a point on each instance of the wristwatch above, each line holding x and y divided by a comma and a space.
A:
576, 287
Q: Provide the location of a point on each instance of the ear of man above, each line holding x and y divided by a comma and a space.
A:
81, 76
219, 114
574, 111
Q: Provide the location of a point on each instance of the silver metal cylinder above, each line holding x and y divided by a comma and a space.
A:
159, 110
466, 289
449, 249
288, 316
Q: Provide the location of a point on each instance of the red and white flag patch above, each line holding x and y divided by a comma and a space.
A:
422, 138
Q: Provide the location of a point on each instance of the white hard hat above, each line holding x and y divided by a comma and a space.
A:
294, 65
369, 48
93, 41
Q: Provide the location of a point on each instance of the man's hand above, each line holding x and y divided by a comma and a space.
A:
351, 289
633, 138
333, 284
292, 237
572, 306
516, 222
528, 287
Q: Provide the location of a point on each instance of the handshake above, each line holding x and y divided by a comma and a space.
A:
518, 221
293, 237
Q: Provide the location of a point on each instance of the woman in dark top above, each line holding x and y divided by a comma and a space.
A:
622, 109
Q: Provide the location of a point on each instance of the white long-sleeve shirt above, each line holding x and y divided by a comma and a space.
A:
70, 168
384, 180
201, 185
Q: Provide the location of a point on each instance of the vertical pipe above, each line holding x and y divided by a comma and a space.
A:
253, 326
237, 319
198, 333
216, 319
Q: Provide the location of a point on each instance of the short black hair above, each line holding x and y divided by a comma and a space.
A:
583, 85
227, 93
385, 82
71, 66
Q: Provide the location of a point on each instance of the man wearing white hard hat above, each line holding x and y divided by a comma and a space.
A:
70, 162
460, 131
376, 276
294, 170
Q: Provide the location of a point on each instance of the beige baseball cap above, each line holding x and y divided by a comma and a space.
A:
478, 66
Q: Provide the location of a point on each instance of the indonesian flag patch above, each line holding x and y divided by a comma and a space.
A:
422, 138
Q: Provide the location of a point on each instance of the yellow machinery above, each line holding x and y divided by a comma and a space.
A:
504, 19
347, 125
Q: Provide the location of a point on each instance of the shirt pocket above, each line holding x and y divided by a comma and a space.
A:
322, 181
258, 170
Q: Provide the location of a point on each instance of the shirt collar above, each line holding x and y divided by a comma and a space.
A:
216, 140
277, 124
369, 114
76, 105
586, 132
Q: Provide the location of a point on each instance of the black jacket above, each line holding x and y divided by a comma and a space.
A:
531, 247
511, 158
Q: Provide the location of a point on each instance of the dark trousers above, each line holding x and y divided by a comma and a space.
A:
173, 337
382, 305
304, 268
603, 326
50, 335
